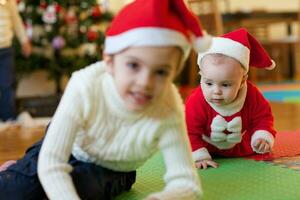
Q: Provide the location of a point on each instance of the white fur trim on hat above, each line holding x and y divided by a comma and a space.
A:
263, 135
272, 66
201, 154
237, 51
146, 36
201, 44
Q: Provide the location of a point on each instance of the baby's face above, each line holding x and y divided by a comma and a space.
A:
221, 79
142, 73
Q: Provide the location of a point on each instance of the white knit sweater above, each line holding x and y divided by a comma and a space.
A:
93, 124
10, 23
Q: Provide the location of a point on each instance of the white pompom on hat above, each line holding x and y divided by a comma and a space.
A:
243, 47
156, 23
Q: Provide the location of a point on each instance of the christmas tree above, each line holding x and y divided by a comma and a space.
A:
66, 35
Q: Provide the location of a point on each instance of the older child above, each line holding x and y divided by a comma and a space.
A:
227, 115
10, 24
115, 114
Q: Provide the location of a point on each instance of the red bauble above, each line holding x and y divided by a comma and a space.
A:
57, 7
96, 12
92, 35
43, 5
70, 17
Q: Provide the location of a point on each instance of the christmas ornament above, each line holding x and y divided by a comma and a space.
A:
96, 12
28, 27
57, 8
92, 35
58, 42
89, 49
70, 17
43, 5
50, 15
21, 6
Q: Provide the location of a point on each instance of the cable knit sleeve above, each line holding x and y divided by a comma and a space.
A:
181, 178
53, 167
17, 23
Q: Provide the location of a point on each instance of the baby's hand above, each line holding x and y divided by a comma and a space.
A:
262, 145
151, 198
203, 164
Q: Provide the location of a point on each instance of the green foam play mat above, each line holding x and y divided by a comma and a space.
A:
235, 179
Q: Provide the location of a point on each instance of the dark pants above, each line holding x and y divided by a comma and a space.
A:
7, 84
20, 181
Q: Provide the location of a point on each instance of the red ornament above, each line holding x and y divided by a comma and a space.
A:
96, 12
92, 35
57, 7
70, 17
43, 4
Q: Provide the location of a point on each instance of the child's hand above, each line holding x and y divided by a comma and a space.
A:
262, 145
203, 164
26, 49
5, 165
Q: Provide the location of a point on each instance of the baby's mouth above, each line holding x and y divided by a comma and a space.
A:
216, 100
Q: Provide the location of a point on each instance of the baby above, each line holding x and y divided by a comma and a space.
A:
227, 115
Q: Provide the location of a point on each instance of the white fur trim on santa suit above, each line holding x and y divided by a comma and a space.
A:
262, 134
201, 154
237, 50
219, 125
223, 144
233, 107
146, 36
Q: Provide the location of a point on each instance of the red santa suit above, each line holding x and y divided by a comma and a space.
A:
229, 130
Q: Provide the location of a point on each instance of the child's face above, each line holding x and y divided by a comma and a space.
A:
142, 73
221, 79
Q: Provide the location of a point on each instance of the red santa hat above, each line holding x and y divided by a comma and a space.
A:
242, 46
156, 23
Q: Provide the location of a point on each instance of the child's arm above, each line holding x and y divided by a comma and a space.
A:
53, 167
181, 178
17, 23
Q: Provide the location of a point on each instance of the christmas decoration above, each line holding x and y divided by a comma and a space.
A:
66, 35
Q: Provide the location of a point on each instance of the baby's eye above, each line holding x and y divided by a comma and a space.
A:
208, 83
226, 84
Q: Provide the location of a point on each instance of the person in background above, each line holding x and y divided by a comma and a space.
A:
115, 114
10, 24
227, 115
